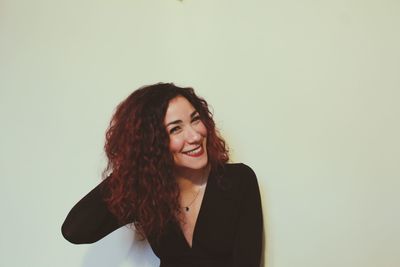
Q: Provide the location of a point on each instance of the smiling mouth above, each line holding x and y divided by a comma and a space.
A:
198, 151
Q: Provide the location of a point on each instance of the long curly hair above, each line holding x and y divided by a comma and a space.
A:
141, 186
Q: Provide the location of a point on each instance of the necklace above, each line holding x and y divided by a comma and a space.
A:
187, 207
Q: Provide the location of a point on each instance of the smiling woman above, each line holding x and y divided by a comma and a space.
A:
168, 174
188, 135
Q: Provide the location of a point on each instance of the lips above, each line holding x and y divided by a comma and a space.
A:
196, 152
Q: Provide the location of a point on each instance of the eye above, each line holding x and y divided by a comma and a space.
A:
174, 129
196, 118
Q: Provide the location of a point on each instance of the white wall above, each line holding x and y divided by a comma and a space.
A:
306, 92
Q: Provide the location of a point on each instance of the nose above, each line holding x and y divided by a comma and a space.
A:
192, 136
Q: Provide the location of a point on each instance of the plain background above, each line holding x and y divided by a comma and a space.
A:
305, 92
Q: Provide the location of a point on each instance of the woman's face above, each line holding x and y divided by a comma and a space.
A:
187, 134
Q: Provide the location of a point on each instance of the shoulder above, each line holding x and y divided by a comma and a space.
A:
240, 175
239, 170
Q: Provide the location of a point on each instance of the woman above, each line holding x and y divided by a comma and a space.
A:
168, 174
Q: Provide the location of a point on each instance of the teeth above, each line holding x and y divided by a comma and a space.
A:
194, 151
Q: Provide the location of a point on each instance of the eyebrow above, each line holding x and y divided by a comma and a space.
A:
180, 121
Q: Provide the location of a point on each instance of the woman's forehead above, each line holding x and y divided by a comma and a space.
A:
178, 108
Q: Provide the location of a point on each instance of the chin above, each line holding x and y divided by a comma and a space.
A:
192, 166
198, 164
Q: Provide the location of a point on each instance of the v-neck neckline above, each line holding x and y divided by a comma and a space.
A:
198, 216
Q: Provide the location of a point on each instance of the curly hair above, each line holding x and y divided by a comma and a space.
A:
141, 186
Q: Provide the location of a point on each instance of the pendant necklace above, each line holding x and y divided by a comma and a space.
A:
187, 208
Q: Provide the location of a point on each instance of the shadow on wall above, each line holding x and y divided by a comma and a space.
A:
120, 249
264, 255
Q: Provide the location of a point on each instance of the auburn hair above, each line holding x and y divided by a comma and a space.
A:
141, 186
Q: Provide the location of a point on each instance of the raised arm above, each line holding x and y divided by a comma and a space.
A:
248, 242
90, 220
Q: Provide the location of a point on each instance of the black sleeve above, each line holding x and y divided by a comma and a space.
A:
90, 220
248, 241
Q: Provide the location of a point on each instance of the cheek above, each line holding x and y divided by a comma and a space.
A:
202, 129
175, 144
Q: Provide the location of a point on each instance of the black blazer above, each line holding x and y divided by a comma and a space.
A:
228, 230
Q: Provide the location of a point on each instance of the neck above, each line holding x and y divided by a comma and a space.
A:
187, 179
